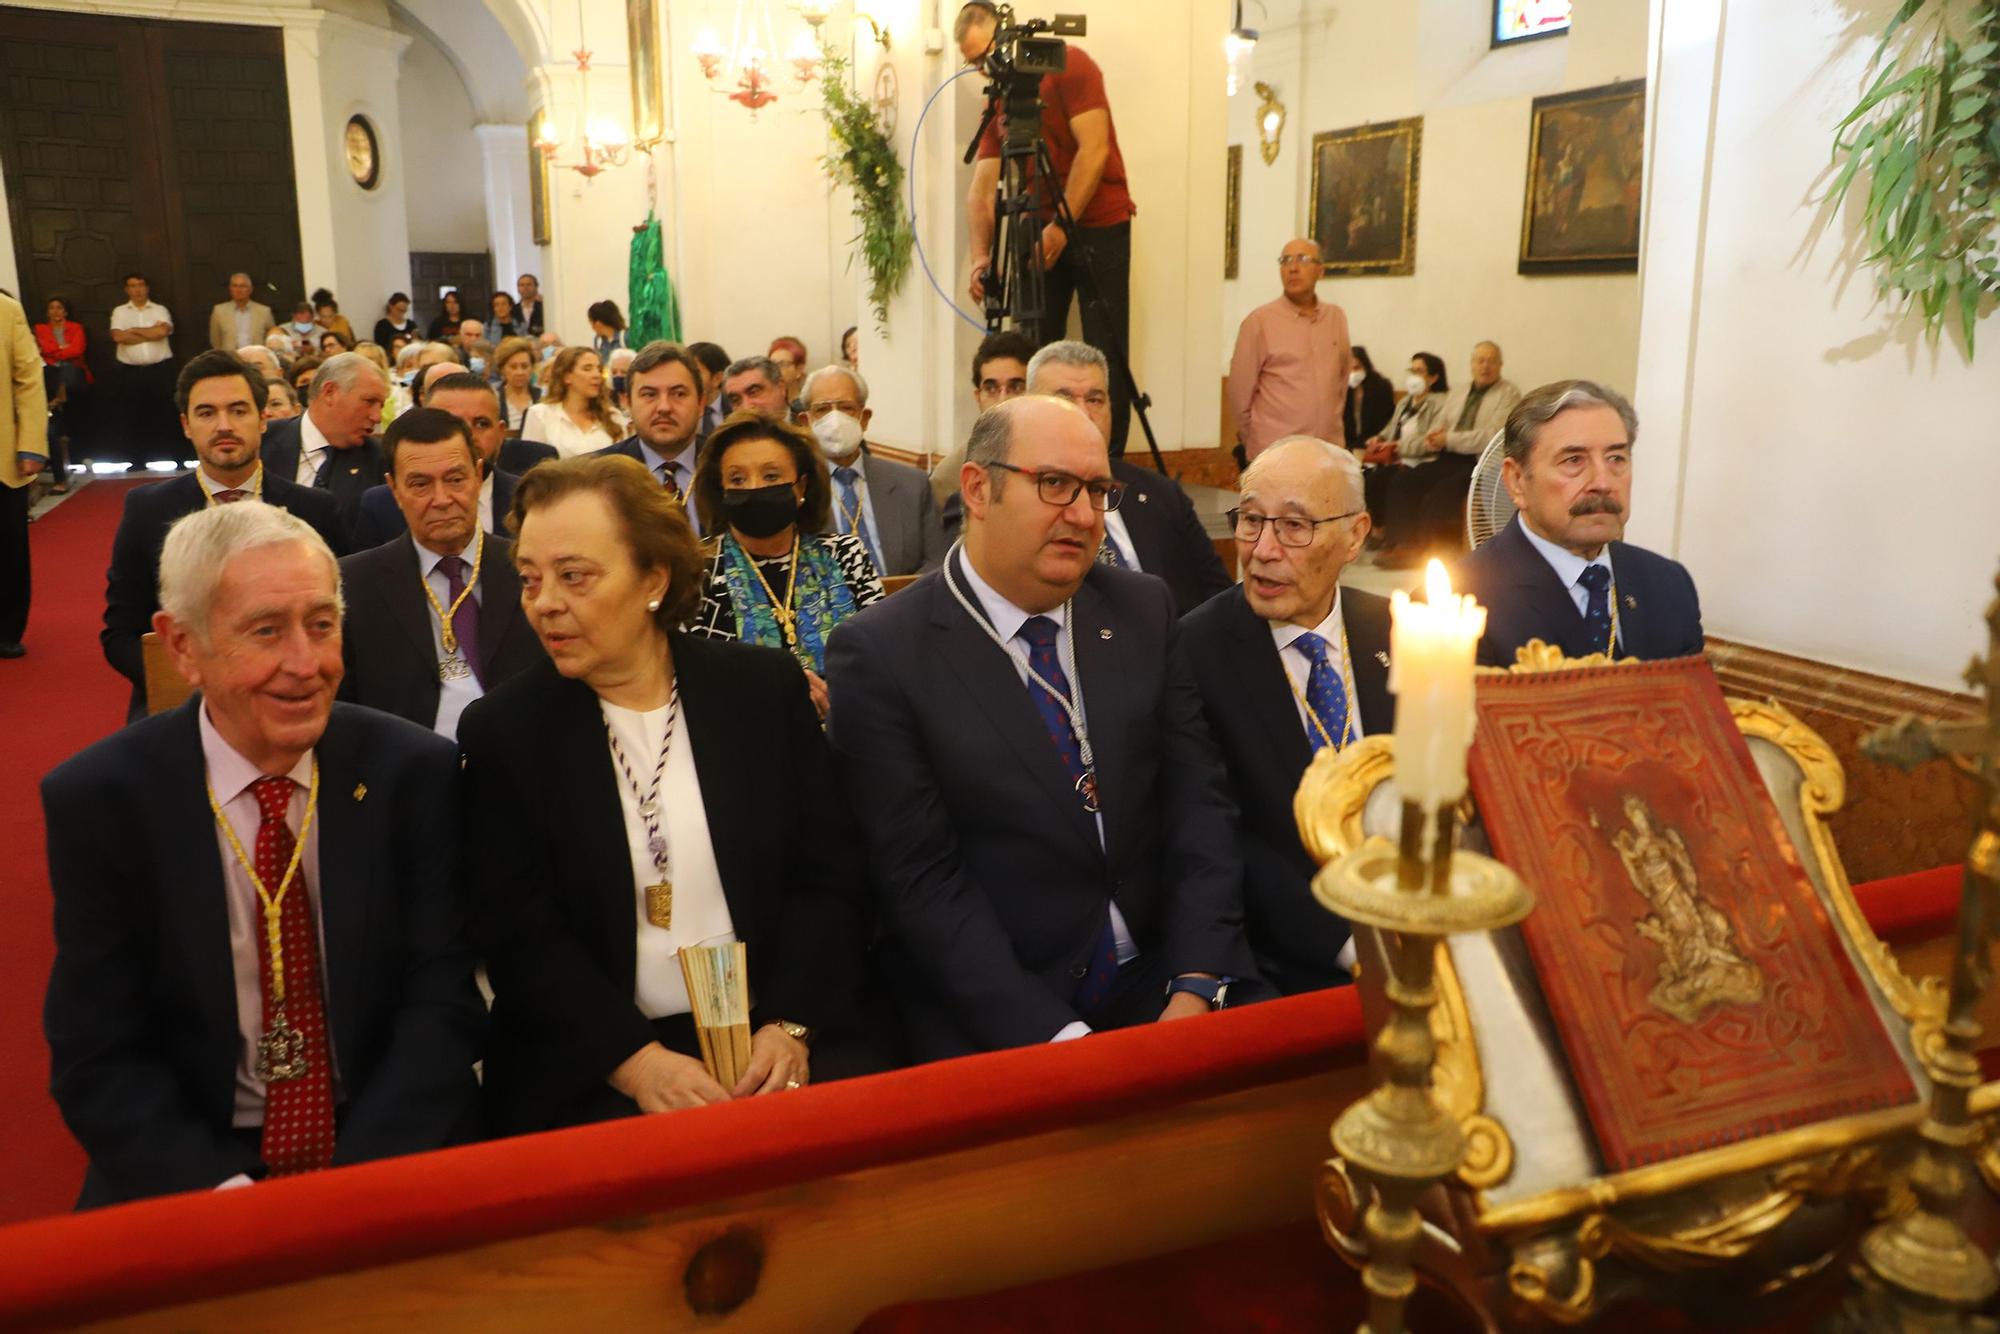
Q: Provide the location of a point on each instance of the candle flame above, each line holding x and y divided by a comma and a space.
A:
1437, 583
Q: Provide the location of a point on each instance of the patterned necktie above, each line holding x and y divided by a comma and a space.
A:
667, 481
1326, 695
1109, 554
852, 519
298, 1112
229, 497
1039, 633
464, 621
1596, 581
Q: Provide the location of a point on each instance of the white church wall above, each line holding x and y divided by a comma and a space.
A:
446, 198
1826, 473
1336, 67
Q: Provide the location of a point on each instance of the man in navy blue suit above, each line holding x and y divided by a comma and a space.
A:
1558, 572
1047, 821
663, 384
331, 446
473, 401
260, 963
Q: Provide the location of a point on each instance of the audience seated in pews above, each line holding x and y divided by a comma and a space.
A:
1370, 399
1400, 445
886, 504
396, 322
280, 402
1288, 663
644, 790
433, 616
331, 446
221, 401
665, 388
1558, 571
756, 384
1047, 823
1424, 509
470, 399
999, 372
326, 314
576, 414
514, 380
285, 986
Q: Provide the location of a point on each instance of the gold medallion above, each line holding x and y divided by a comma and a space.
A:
660, 904
281, 1052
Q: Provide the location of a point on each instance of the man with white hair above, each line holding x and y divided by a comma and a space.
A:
332, 445
469, 332
239, 320
263, 971
888, 505
264, 359
1289, 663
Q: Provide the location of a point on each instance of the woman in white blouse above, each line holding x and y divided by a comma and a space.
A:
576, 414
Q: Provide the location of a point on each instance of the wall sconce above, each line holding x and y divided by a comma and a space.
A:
1270, 122
1240, 42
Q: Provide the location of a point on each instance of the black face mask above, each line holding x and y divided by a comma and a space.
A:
762, 511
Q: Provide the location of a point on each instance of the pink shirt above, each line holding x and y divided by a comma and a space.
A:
1289, 374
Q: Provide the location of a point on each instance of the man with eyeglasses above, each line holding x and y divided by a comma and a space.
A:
888, 505
1289, 663
999, 372
1046, 820
1289, 373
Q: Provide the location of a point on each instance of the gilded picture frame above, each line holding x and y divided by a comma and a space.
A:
538, 183
1232, 217
1364, 197
1581, 209
642, 31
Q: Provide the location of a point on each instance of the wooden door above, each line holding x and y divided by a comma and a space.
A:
431, 271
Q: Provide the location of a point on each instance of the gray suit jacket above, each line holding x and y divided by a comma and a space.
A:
908, 533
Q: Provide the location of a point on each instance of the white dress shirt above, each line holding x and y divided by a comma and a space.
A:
230, 777
242, 315
1299, 667
486, 506
548, 424
209, 486
1007, 619
843, 522
312, 449
150, 351
454, 694
700, 913
1569, 566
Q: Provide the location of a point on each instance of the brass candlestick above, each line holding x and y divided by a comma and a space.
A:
1398, 1139
1922, 1272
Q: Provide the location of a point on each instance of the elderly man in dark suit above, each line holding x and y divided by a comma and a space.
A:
1290, 663
331, 446
221, 402
473, 401
1156, 530
1047, 821
663, 385
888, 505
264, 972
1558, 572
433, 616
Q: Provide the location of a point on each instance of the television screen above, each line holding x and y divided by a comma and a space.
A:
1525, 20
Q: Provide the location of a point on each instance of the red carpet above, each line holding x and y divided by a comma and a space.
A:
55, 701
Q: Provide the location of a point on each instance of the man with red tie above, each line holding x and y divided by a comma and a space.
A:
261, 970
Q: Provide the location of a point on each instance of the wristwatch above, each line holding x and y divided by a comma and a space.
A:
1214, 990
796, 1032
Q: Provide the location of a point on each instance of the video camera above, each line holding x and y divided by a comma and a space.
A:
1022, 54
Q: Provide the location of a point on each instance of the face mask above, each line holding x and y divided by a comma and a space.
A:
1415, 384
549, 352
303, 326
1354, 379
477, 365
839, 435
762, 511
618, 386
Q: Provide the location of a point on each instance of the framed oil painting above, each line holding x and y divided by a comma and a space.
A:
1232, 216
1586, 151
642, 33
1364, 197
538, 183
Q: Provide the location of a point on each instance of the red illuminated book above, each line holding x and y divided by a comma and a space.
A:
1700, 992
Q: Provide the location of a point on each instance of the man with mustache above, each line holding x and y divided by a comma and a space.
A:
664, 384
221, 402
1046, 817
1558, 572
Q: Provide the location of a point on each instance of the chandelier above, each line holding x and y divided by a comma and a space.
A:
601, 141
748, 70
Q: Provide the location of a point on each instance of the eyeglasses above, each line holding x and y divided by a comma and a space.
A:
1292, 530
1061, 488
1297, 261
846, 405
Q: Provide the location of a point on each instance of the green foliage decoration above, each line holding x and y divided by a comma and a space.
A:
1924, 142
865, 161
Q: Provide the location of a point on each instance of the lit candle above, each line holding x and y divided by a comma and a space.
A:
1431, 647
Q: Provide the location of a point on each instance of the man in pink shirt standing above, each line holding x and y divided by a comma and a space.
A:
1289, 374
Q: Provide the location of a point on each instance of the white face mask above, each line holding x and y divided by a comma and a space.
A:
839, 435
1354, 379
1415, 384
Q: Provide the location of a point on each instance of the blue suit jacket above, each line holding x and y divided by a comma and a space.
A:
141, 1008
381, 521
992, 879
1659, 613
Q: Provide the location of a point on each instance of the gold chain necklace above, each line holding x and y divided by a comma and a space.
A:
273, 904
787, 616
449, 635
1346, 683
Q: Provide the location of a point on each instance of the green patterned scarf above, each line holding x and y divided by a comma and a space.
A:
823, 599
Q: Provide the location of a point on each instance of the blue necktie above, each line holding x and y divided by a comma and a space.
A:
1596, 581
1109, 554
1039, 633
851, 519
1326, 695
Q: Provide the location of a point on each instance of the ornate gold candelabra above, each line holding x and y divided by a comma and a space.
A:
1398, 1140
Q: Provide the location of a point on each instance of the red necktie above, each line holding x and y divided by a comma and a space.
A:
229, 497
298, 1112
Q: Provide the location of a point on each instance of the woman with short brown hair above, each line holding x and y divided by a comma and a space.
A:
643, 791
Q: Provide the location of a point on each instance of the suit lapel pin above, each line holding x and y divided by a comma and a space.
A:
1382, 656
1104, 634
360, 791
1143, 497
1631, 603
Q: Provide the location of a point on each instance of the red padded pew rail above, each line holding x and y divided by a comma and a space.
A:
189, 1247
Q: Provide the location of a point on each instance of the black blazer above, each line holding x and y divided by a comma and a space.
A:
1659, 613
516, 457
530, 322
141, 1009
388, 643
992, 881
380, 519
385, 332
545, 840
1368, 409
346, 473
132, 584
1254, 715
